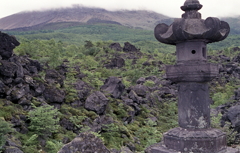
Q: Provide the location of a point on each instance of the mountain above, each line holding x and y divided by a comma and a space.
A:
83, 15
234, 23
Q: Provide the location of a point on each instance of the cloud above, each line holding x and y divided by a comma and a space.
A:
166, 7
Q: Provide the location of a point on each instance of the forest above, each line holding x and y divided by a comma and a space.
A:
76, 62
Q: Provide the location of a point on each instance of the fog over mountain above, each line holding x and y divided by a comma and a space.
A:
218, 8
77, 14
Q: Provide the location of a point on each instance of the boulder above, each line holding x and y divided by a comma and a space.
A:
129, 47
3, 89
113, 86
8, 69
236, 49
62, 69
53, 77
224, 58
83, 89
237, 94
11, 149
26, 65
126, 150
68, 125
85, 143
12, 145
166, 92
233, 115
141, 90
96, 102
141, 80
100, 122
134, 97
18, 92
37, 88
116, 47
7, 44
54, 95
146, 63
116, 62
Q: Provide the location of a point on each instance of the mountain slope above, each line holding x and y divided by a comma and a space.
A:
136, 19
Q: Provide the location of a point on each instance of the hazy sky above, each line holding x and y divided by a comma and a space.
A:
214, 8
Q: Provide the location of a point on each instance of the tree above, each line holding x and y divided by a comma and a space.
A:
88, 44
44, 120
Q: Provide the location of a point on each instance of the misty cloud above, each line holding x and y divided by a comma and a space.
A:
218, 8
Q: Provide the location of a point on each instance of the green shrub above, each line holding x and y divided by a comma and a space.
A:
44, 120
5, 128
149, 83
223, 94
227, 128
53, 146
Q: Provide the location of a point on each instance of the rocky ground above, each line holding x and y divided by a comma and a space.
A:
22, 84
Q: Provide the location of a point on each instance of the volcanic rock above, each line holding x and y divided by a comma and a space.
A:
7, 44
129, 47
96, 102
85, 143
113, 86
116, 47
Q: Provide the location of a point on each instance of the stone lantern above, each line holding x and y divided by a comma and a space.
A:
191, 34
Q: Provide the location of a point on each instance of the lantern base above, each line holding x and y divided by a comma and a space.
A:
179, 140
161, 148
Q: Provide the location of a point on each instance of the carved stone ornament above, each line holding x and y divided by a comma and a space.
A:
191, 34
191, 27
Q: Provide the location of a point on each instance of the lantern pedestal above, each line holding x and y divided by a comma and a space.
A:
191, 34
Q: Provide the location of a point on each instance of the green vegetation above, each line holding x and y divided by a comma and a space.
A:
85, 57
143, 39
5, 128
44, 120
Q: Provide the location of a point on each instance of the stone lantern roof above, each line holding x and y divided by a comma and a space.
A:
191, 5
191, 27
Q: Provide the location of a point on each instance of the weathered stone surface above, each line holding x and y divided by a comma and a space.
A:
161, 148
83, 89
100, 122
8, 69
68, 125
11, 149
134, 97
3, 89
129, 47
192, 72
85, 143
18, 93
37, 88
186, 140
141, 90
233, 116
116, 62
113, 86
54, 95
13, 145
53, 77
141, 80
192, 27
96, 102
126, 150
191, 34
116, 47
7, 44
194, 105
29, 66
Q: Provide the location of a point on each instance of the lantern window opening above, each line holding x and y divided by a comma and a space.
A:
204, 52
193, 51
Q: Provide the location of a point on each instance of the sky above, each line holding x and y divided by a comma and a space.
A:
213, 8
